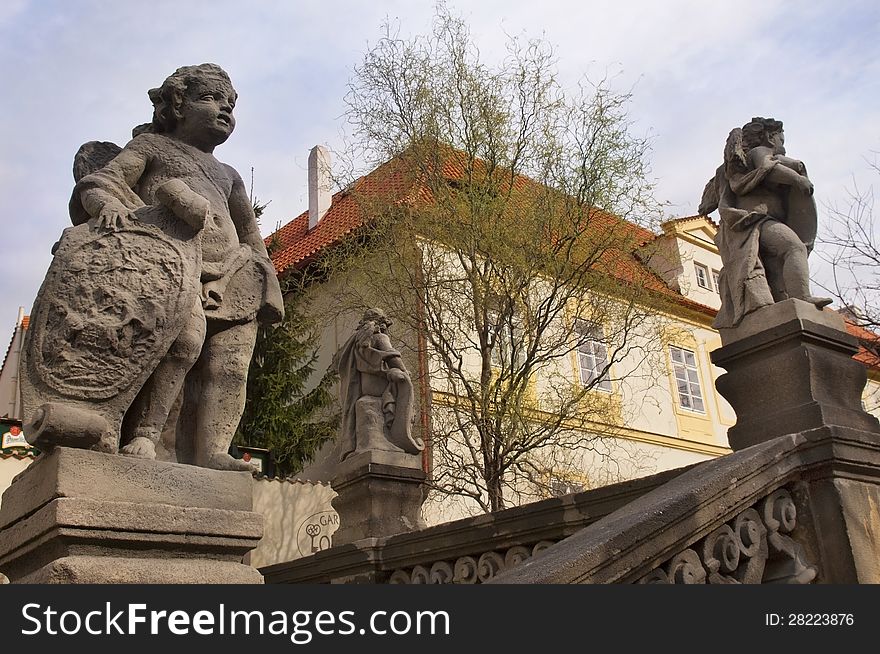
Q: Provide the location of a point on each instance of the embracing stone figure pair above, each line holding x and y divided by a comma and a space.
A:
768, 222
148, 313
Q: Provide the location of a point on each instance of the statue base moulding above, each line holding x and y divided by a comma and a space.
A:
82, 517
790, 368
379, 493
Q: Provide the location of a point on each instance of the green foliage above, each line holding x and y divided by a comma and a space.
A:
280, 413
497, 219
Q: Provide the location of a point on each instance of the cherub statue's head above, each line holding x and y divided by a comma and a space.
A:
377, 317
168, 99
759, 131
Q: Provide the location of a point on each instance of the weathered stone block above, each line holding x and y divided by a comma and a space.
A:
77, 516
790, 369
379, 494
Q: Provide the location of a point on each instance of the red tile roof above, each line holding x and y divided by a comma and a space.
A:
868, 356
296, 244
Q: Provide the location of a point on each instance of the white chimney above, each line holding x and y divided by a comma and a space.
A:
319, 184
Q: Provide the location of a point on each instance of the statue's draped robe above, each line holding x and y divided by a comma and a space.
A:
743, 280
360, 356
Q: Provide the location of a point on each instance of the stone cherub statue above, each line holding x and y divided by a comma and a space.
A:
768, 222
154, 295
376, 391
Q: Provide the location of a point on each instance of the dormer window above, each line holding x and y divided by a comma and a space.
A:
702, 276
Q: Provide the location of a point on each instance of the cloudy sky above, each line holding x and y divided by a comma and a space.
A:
73, 72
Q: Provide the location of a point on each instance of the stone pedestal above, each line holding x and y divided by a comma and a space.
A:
370, 424
379, 493
77, 516
790, 369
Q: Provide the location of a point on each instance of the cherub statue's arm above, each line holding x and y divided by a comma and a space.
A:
107, 195
795, 164
242, 211
780, 174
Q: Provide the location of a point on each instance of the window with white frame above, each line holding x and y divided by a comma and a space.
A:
687, 379
592, 356
702, 276
715, 277
509, 349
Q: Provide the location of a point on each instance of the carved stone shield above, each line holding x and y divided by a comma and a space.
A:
111, 305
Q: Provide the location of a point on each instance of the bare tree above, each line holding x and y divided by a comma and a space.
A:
501, 234
851, 245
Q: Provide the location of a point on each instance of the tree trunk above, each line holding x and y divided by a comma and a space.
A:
495, 489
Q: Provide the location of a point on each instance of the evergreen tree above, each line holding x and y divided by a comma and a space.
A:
280, 414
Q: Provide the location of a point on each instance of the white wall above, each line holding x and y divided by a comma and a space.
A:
298, 520
9, 467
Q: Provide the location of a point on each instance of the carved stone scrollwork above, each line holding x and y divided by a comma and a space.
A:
657, 576
753, 548
751, 537
399, 577
489, 565
441, 573
790, 566
468, 569
721, 555
516, 555
465, 571
686, 568
421, 575
540, 546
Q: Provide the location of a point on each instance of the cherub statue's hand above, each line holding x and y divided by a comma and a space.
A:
212, 293
112, 217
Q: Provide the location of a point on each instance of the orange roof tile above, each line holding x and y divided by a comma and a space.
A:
867, 355
296, 245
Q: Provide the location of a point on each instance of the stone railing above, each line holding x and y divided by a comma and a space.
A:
799, 508
468, 569
752, 548
469, 551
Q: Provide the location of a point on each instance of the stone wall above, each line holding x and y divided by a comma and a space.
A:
298, 519
472, 550
799, 508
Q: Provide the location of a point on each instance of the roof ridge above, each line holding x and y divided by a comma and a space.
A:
23, 325
298, 243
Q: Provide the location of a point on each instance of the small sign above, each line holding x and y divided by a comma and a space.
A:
258, 460
315, 533
14, 438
